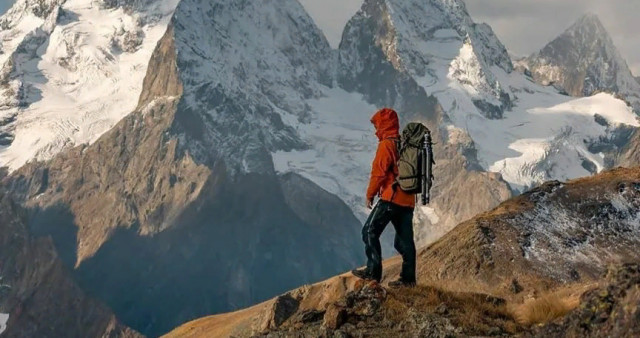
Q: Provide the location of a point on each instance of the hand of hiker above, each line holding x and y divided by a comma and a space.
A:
369, 204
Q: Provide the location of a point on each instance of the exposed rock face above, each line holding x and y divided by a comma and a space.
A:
36, 290
584, 61
233, 96
630, 155
179, 203
609, 311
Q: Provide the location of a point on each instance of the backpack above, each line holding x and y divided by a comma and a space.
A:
415, 161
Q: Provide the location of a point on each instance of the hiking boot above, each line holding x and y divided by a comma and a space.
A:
401, 284
362, 274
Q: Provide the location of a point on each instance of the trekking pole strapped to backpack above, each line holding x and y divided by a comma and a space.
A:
427, 164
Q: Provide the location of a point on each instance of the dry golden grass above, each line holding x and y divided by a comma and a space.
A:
550, 306
545, 309
475, 313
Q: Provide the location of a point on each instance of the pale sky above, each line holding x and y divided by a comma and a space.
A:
4, 5
524, 26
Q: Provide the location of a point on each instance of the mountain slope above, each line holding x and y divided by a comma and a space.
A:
583, 61
179, 203
36, 291
70, 70
553, 236
218, 190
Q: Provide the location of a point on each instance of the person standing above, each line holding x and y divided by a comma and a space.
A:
394, 205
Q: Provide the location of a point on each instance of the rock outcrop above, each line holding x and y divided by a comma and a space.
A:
611, 310
629, 156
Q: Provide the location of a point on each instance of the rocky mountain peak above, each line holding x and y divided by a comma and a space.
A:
583, 61
264, 60
413, 22
432, 41
590, 21
589, 35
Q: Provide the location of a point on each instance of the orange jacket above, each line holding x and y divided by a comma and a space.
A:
384, 168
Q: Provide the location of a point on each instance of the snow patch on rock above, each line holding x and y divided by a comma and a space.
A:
4, 319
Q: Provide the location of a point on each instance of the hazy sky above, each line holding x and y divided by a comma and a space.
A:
524, 26
4, 5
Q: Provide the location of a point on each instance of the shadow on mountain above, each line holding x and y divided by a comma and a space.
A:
240, 243
57, 221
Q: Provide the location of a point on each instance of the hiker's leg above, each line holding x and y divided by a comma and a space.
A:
403, 223
373, 228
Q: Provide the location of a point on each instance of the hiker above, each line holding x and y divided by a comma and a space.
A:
394, 205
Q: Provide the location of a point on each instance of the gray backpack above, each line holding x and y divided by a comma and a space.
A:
415, 161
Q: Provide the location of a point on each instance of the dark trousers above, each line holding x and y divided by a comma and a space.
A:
402, 220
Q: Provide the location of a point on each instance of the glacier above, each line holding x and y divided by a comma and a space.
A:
71, 70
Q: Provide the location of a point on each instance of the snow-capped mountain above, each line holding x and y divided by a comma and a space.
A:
179, 203
70, 70
258, 69
312, 112
486, 116
245, 148
583, 61
468, 70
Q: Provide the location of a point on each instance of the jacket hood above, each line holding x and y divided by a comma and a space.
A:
386, 123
